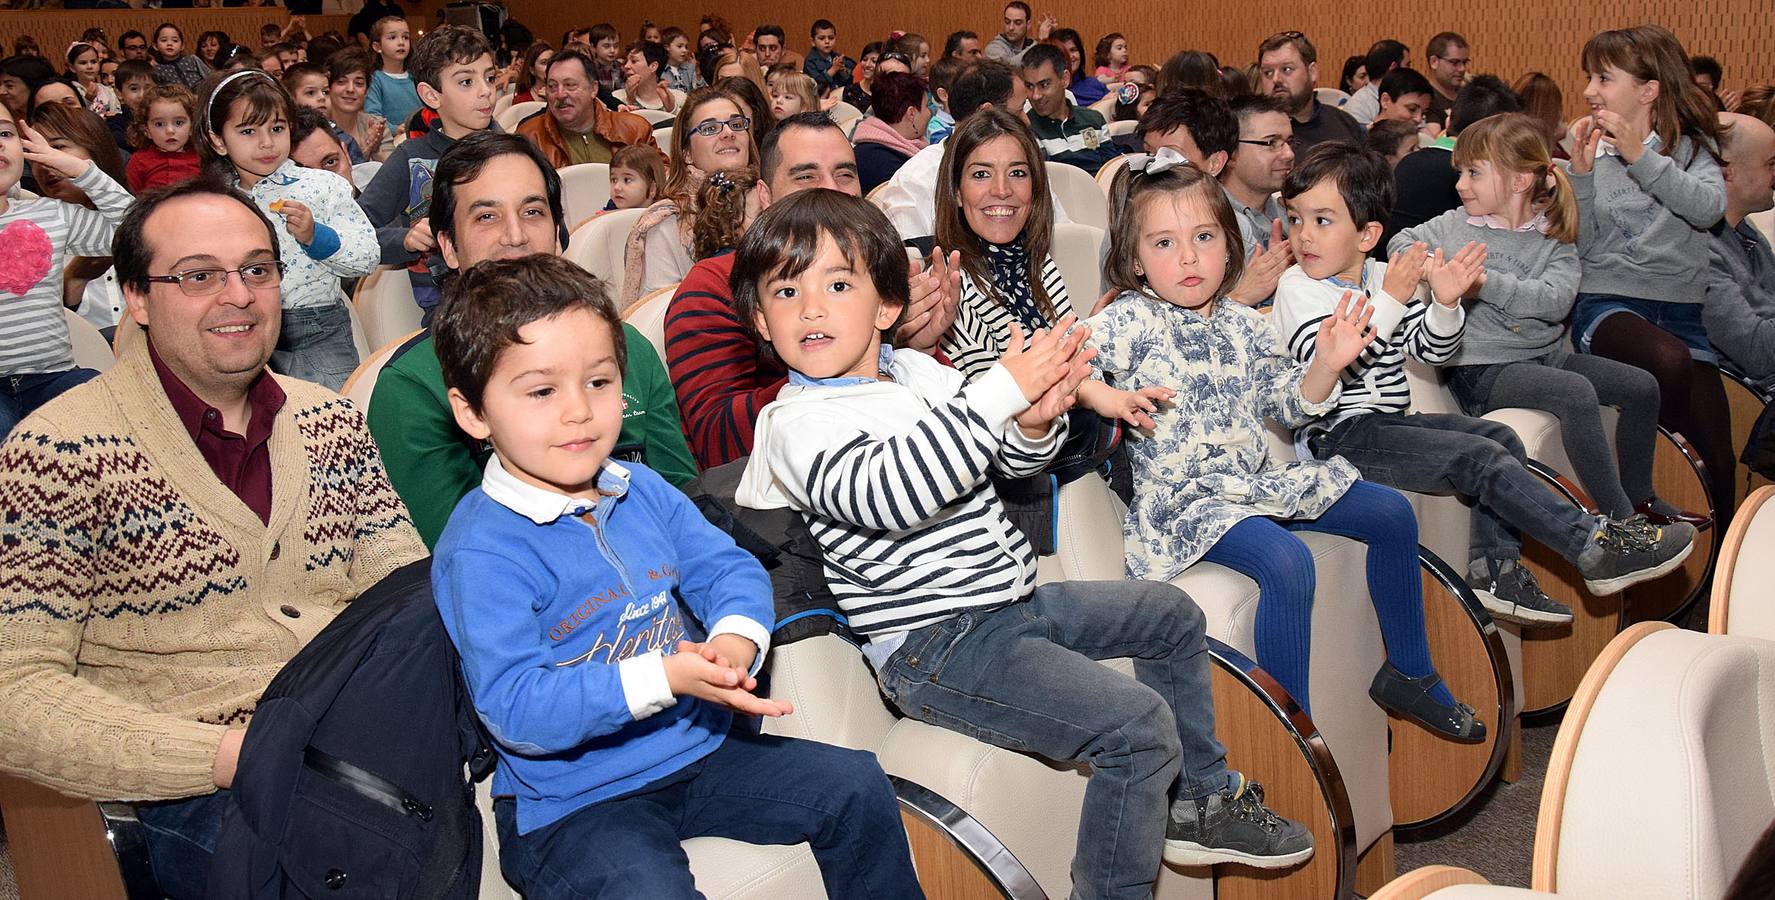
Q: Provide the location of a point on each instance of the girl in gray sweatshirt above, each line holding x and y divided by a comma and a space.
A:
1648, 183
1521, 207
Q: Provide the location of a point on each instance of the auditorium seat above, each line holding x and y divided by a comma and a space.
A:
384, 304
1742, 604
597, 246
1661, 778
1079, 195
585, 189
648, 316
361, 385
509, 118
91, 350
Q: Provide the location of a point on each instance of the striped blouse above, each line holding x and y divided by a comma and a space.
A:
982, 328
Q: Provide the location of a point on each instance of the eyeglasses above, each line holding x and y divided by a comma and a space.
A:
1273, 143
712, 127
207, 281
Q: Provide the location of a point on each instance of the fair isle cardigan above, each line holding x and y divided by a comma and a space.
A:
143, 607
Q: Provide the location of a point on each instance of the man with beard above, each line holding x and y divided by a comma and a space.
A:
1288, 68
1448, 59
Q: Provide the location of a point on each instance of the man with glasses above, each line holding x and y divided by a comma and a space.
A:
1288, 68
1448, 58
1264, 155
133, 45
178, 529
578, 127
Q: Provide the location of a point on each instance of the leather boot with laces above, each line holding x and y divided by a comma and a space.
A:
1233, 826
1621, 554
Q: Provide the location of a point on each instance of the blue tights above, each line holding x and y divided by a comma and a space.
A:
1263, 550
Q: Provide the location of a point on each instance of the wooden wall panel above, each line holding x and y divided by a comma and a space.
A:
1508, 37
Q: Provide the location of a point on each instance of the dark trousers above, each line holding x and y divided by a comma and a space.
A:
181, 838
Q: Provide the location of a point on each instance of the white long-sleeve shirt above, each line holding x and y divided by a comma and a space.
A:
312, 272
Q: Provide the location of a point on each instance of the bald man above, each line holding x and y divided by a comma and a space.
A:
1740, 310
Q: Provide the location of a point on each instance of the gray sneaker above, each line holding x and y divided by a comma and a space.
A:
1621, 554
1509, 592
1234, 826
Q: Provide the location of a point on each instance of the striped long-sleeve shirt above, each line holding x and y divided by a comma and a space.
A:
37, 237
1375, 382
721, 378
892, 477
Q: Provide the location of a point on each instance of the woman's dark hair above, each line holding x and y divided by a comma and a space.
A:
1350, 67
233, 57
321, 49
131, 251
526, 73
747, 92
1362, 176
85, 128
655, 54
32, 70
463, 162
1191, 68
222, 45
1064, 37
1100, 56
33, 108
1130, 195
486, 306
350, 61
785, 242
1234, 82
893, 94
953, 230
265, 100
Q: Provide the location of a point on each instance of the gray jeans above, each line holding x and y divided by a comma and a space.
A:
1027, 677
316, 345
1476, 458
1572, 386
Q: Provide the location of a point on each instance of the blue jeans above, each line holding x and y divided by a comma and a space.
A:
1684, 320
1026, 677
20, 395
1475, 458
760, 789
315, 344
1282, 566
181, 837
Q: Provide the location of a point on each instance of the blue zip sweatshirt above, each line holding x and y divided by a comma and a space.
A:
563, 622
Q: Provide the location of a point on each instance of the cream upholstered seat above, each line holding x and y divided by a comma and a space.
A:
597, 245
585, 189
1742, 604
648, 316
361, 385
385, 306
509, 117
1079, 195
1076, 248
1661, 779
91, 350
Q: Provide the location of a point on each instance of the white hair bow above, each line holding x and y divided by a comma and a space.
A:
1154, 163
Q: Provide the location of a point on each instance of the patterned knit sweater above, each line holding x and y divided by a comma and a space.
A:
143, 607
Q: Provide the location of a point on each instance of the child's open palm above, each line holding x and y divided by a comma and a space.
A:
1404, 272
1451, 277
39, 152
691, 674
1037, 363
1345, 333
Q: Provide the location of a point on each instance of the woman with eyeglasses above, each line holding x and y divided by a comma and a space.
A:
712, 133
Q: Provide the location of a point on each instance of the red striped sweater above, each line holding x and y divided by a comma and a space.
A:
721, 376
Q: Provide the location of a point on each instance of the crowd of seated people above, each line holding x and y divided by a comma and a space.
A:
855, 250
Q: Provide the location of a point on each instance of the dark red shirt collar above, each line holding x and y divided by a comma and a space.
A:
242, 462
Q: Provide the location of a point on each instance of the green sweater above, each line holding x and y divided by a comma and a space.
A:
433, 464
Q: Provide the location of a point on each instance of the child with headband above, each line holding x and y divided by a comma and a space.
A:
1205, 486
245, 139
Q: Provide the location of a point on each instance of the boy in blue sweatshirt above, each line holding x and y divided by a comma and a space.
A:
572, 587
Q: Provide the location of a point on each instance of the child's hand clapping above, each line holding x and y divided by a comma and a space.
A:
1133, 407
1586, 138
298, 220
1453, 277
1405, 271
1049, 371
699, 670
1345, 333
375, 129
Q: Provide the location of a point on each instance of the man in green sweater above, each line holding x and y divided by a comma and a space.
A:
496, 197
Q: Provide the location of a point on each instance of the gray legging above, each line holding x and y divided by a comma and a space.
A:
1571, 386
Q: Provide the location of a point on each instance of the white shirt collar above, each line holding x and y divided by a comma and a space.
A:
543, 506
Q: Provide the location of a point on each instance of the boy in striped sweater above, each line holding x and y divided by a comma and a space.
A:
1337, 198
887, 454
